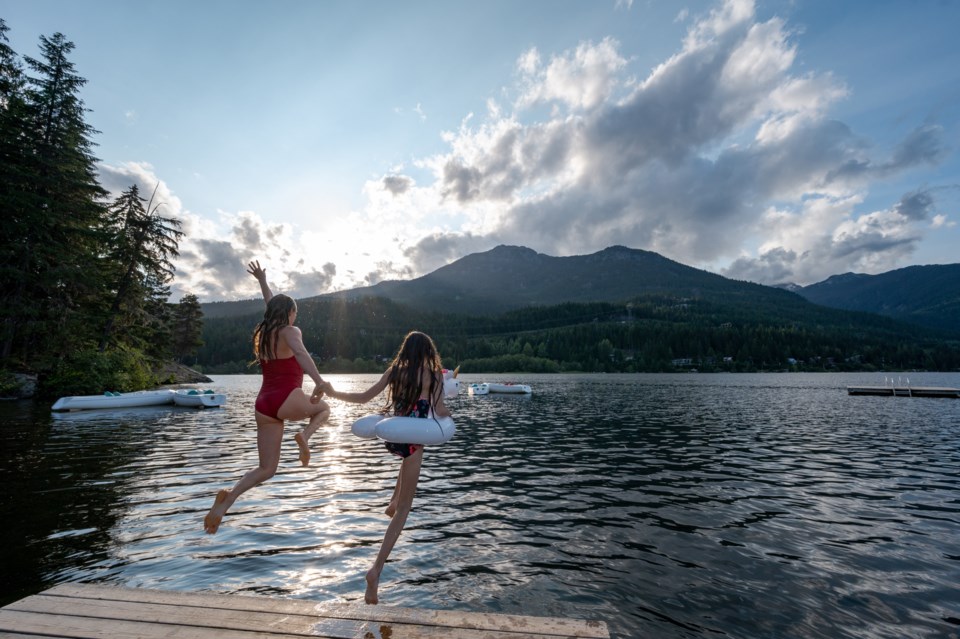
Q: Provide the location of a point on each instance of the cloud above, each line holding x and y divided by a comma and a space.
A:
941, 221
834, 242
722, 146
117, 179
924, 145
776, 266
725, 153
916, 205
387, 270
216, 268
311, 283
580, 79
193, 254
217, 263
439, 249
397, 184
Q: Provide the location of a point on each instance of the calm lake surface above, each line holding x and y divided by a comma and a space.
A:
697, 505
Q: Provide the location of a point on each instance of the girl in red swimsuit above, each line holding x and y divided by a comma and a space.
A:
278, 346
415, 382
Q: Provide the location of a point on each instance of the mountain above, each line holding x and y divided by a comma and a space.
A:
213, 310
512, 277
508, 278
617, 310
925, 295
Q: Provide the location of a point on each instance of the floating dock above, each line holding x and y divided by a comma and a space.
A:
93, 611
905, 391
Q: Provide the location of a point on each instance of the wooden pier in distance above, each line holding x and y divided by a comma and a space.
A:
905, 391
98, 612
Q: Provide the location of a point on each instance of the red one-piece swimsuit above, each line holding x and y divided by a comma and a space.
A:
280, 378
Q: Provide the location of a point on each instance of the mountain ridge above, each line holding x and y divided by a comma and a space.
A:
926, 295
508, 277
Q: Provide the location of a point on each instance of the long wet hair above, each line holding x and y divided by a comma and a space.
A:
267, 332
417, 353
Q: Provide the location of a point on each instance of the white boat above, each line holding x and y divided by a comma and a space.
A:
509, 388
114, 400
198, 398
485, 388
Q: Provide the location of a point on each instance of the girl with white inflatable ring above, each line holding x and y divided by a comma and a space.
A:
415, 387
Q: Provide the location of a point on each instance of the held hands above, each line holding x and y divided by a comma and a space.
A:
318, 392
327, 388
253, 268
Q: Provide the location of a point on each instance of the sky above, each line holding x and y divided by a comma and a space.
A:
345, 143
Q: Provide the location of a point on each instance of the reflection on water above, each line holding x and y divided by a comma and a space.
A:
669, 506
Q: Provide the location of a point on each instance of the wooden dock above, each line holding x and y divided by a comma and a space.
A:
93, 611
905, 391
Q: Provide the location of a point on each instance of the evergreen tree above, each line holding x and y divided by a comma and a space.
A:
187, 328
158, 331
11, 73
55, 214
142, 246
13, 179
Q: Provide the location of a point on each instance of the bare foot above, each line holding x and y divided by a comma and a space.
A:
391, 509
211, 523
304, 449
373, 583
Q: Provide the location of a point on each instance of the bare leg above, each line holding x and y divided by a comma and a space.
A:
407, 483
269, 437
303, 437
392, 506
298, 406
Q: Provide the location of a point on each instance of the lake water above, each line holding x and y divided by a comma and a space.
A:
768, 505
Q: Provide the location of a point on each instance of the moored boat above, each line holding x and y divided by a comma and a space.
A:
509, 387
114, 400
486, 388
198, 398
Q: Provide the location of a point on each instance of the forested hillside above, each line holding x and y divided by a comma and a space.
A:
620, 309
925, 295
649, 333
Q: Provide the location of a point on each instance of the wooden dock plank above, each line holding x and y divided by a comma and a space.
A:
287, 625
360, 612
44, 625
76, 610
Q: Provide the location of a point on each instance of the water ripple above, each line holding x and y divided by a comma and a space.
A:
669, 506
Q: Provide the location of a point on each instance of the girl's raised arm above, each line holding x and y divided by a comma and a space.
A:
253, 268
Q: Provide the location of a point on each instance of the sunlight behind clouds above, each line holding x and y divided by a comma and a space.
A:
728, 153
650, 169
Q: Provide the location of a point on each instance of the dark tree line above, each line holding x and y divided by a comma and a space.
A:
649, 334
84, 282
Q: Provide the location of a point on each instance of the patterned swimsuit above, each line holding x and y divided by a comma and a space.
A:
422, 410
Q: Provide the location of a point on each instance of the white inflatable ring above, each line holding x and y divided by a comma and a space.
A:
405, 430
366, 427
